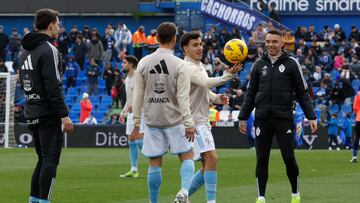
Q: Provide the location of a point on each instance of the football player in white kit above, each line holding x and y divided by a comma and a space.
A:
200, 95
135, 142
162, 87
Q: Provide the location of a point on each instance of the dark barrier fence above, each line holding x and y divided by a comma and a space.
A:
114, 136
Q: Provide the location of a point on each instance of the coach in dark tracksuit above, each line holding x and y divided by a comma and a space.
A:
45, 109
273, 79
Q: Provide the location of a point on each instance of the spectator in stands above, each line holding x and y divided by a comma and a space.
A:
123, 38
3, 68
72, 69
223, 37
109, 77
235, 34
90, 120
26, 31
114, 120
63, 41
339, 34
302, 45
310, 60
354, 48
151, 43
346, 87
109, 42
92, 75
238, 100
4, 41
14, 44
354, 34
336, 94
210, 36
325, 61
311, 35
300, 56
85, 32
80, 50
139, 41
95, 48
327, 82
343, 48
211, 54
252, 50
315, 48
333, 131
119, 88
86, 107
218, 68
208, 67
339, 61
355, 66
272, 12
259, 35
300, 32
317, 76
263, 7
325, 34
289, 42
74, 32
234, 84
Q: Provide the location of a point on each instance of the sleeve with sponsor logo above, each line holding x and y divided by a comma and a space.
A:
183, 95
49, 64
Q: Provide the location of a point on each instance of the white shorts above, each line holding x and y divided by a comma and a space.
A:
157, 141
130, 124
203, 142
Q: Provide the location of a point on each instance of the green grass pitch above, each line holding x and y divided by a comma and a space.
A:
92, 176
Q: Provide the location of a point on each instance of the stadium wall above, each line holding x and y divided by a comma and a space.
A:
113, 136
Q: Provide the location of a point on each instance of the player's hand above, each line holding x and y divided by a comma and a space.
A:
122, 119
130, 110
67, 124
242, 127
135, 132
313, 126
224, 99
190, 134
236, 68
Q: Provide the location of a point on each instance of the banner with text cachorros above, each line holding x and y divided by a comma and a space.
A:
237, 15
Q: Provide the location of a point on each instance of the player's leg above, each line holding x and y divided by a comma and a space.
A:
154, 178
183, 148
155, 146
35, 184
284, 132
133, 149
264, 133
356, 142
197, 180
51, 140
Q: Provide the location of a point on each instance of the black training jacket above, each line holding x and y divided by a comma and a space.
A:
41, 77
271, 87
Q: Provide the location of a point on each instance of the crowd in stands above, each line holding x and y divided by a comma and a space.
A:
329, 61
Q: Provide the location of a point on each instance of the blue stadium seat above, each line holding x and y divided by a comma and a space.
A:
356, 84
334, 74
103, 109
74, 116
99, 116
346, 108
334, 109
72, 92
107, 101
76, 108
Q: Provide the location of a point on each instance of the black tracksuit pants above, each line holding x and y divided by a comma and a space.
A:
48, 140
284, 132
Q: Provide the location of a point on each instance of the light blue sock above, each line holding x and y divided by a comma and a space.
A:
210, 184
139, 143
196, 182
186, 173
134, 152
154, 182
33, 199
44, 201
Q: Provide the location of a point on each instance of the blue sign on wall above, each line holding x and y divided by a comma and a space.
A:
313, 7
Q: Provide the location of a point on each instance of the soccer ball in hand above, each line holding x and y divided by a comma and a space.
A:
235, 51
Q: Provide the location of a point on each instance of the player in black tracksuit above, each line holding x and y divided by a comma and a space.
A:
273, 79
45, 109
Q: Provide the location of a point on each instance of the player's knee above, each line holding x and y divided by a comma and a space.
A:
210, 158
290, 161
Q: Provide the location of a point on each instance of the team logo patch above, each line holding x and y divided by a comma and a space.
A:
27, 83
281, 68
158, 86
257, 131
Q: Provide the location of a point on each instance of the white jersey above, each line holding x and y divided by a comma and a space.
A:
162, 87
129, 88
200, 95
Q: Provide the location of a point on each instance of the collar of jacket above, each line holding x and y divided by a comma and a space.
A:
284, 55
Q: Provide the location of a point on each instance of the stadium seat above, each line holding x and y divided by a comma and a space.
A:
74, 115
72, 92
76, 108
99, 116
334, 109
103, 109
346, 108
106, 100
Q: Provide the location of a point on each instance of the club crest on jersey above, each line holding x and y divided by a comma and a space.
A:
257, 131
281, 68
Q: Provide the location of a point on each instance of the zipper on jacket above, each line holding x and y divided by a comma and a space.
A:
270, 86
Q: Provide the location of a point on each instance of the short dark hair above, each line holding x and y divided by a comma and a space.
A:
275, 32
132, 60
185, 39
44, 17
166, 32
